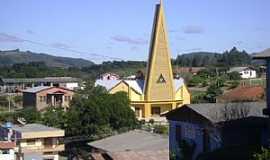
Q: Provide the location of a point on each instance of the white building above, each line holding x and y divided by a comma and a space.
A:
7, 150
245, 72
34, 141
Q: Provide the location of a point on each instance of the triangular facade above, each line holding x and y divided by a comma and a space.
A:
159, 67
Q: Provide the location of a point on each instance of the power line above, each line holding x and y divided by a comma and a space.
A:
73, 50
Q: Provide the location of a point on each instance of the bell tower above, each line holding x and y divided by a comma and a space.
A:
159, 77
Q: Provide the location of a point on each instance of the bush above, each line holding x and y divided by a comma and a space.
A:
263, 155
161, 129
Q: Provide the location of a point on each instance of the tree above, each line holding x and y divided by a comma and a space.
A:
55, 117
97, 115
212, 92
31, 115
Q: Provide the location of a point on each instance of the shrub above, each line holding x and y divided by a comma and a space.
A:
161, 129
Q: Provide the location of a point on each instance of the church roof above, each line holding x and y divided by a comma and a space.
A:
137, 85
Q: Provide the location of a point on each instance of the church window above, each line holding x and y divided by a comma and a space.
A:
161, 79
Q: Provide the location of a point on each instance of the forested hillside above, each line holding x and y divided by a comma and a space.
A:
230, 58
10, 57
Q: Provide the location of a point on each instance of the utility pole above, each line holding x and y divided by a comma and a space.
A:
9, 104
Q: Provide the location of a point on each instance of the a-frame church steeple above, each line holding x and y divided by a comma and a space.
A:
159, 85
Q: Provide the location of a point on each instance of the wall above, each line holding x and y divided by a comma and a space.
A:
10, 156
192, 133
248, 74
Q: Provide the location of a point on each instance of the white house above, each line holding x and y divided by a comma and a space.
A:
7, 150
245, 72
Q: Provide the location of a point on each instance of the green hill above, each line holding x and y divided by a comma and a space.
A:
10, 57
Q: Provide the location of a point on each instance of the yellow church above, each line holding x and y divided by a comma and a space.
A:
159, 92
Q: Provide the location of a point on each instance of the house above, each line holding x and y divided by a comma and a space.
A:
207, 127
7, 150
35, 141
43, 96
132, 145
192, 70
11, 85
245, 72
109, 76
158, 92
243, 94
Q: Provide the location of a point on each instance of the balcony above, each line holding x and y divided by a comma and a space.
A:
51, 148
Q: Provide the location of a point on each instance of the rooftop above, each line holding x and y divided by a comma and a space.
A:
237, 69
250, 93
137, 85
7, 145
220, 112
136, 140
34, 127
42, 88
40, 80
262, 55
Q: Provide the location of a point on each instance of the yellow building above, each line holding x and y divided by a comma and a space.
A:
159, 92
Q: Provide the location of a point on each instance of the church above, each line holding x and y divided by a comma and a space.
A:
158, 92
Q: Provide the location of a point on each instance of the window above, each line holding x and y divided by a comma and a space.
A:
5, 151
178, 133
137, 112
31, 142
66, 98
155, 111
40, 98
161, 79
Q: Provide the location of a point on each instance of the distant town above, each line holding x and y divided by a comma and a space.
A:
197, 106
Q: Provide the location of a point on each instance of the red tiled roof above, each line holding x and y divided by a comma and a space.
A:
7, 145
253, 93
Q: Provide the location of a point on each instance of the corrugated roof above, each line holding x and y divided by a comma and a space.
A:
143, 155
34, 127
216, 112
41, 80
262, 55
136, 140
36, 89
237, 69
137, 85
108, 84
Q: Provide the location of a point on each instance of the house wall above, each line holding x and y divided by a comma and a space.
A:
193, 133
248, 73
9, 156
183, 94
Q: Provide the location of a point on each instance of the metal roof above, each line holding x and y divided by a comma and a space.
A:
137, 85
238, 69
136, 140
215, 112
41, 80
262, 55
37, 89
34, 127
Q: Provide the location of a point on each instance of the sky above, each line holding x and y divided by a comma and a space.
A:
102, 30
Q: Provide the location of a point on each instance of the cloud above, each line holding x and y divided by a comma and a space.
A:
60, 45
173, 31
193, 29
134, 48
191, 50
239, 42
10, 38
125, 39
29, 31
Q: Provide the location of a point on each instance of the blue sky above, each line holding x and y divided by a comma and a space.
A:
101, 30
